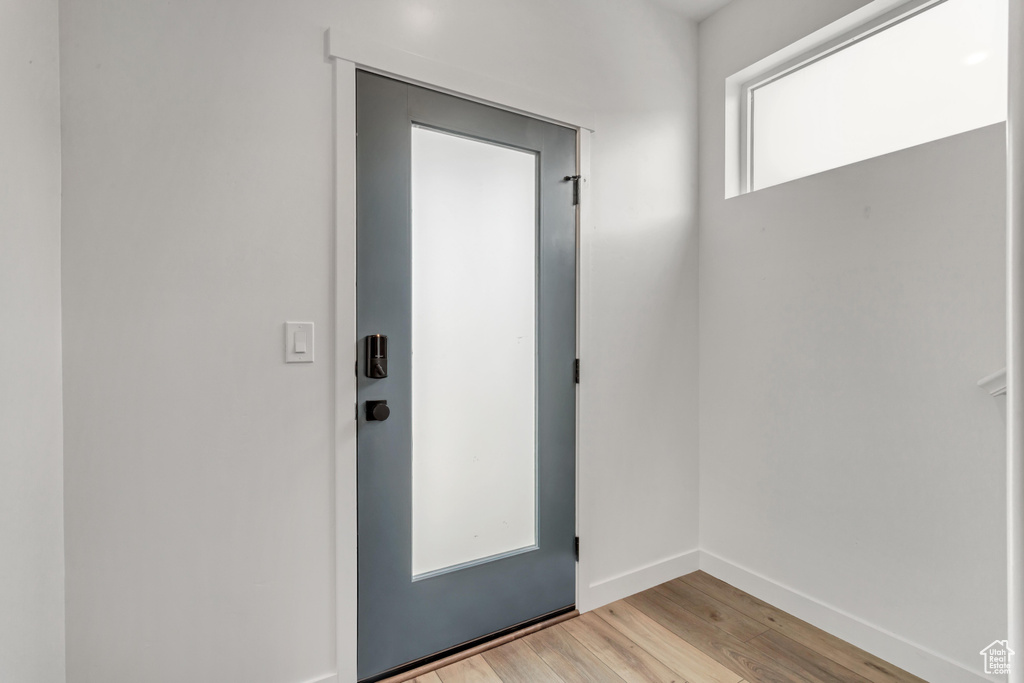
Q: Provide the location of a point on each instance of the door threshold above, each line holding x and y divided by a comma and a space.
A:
407, 672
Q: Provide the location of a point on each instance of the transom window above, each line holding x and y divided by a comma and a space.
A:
918, 72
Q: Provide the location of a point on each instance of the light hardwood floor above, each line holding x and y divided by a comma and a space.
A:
695, 629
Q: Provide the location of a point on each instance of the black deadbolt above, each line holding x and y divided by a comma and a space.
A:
377, 411
376, 356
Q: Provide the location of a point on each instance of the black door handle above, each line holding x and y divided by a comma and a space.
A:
377, 411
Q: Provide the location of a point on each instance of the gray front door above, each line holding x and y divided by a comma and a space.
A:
466, 264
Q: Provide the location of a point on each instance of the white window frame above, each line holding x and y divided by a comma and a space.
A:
860, 25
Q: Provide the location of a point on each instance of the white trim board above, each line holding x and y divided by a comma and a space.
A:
346, 529
914, 658
632, 582
333, 678
585, 227
1015, 339
995, 383
419, 70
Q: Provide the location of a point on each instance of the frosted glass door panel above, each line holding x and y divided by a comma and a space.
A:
939, 73
474, 274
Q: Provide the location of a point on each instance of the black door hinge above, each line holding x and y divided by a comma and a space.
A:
576, 371
575, 188
576, 548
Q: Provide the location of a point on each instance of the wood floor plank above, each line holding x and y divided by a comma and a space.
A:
472, 670
811, 665
864, 663
568, 658
430, 677
696, 629
516, 662
717, 613
670, 649
729, 651
626, 658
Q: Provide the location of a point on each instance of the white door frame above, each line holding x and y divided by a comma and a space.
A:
347, 54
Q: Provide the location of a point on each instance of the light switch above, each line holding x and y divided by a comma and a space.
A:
298, 342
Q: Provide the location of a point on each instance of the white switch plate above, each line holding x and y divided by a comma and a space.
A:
298, 342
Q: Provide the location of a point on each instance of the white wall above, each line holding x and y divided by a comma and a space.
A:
197, 214
198, 217
31, 477
846, 452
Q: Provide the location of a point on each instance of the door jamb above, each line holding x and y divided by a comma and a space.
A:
347, 53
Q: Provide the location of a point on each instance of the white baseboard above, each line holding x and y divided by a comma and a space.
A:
333, 678
918, 660
617, 587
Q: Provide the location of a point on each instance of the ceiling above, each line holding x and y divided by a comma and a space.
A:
695, 9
